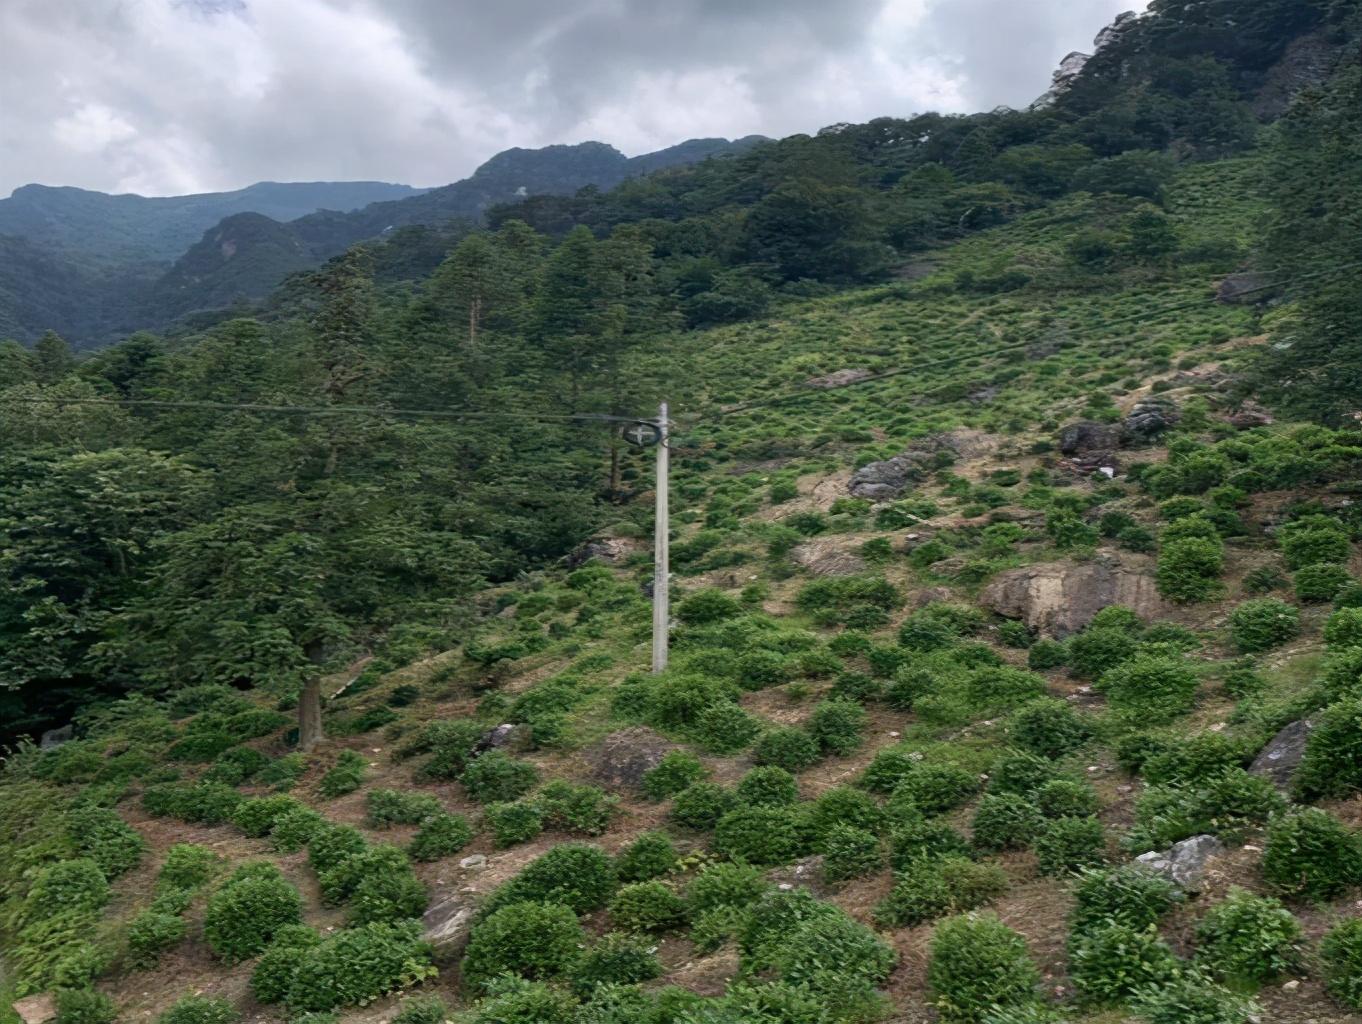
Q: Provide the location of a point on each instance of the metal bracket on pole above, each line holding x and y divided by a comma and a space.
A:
661, 553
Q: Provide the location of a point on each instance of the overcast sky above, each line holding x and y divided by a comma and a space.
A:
166, 97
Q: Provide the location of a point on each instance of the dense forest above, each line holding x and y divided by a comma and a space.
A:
370, 495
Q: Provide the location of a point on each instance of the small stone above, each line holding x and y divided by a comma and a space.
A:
895, 735
474, 863
785, 887
1291, 985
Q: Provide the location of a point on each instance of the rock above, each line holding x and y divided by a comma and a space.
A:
837, 379
887, 480
1244, 288
508, 734
1305, 65
1060, 598
474, 862
622, 757
610, 550
36, 1009
1251, 416
827, 557
447, 923
1185, 862
1281, 757
54, 738
1086, 436
1151, 417
1291, 986
803, 874
1072, 65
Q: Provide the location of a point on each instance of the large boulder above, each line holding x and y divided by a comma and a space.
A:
1243, 288
622, 757
828, 556
887, 480
1085, 437
1281, 757
1060, 598
54, 738
610, 550
1151, 417
36, 1009
447, 923
1184, 863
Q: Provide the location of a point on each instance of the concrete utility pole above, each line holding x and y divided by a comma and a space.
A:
661, 554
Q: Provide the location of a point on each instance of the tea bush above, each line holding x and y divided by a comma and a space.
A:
837, 725
647, 906
677, 770
760, 835
937, 788
850, 852
615, 960
994, 690
1344, 629
100, 834
346, 776
440, 836
84, 1006
199, 1010
1109, 963
1020, 772
257, 816
1150, 688
841, 805
887, 769
912, 842
423, 1010
1048, 728
575, 807
513, 823
390, 894
700, 806
1312, 545
497, 777
1310, 855
244, 914
1320, 583
387, 807
724, 885
186, 866
534, 940
1341, 956
1005, 822
1188, 570
1129, 895
767, 786
357, 965
296, 829
649, 856
1067, 798
1332, 765
1248, 937
725, 728
274, 970
332, 845
578, 876
1067, 845
978, 965
1262, 624
933, 887
1046, 654
789, 748
1193, 998
152, 932
1096, 649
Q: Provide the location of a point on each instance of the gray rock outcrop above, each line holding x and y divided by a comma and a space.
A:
1281, 757
1184, 863
1060, 598
1240, 289
622, 757
1087, 437
54, 738
1150, 417
827, 557
887, 480
447, 923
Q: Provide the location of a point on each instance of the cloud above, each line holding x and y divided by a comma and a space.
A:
170, 96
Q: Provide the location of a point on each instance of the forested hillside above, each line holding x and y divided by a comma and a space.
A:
1016, 662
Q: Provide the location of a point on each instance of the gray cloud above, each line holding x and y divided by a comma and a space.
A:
171, 96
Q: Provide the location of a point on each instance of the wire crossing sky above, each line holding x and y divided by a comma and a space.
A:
166, 97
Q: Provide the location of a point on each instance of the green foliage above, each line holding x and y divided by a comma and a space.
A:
332, 845
1332, 765
1067, 798
100, 834
1192, 998
767, 786
677, 770
496, 777
534, 940
1048, 728
649, 856
1321, 582
937, 788
387, 807
345, 776
706, 606
1111, 962
1341, 954
1189, 569
760, 835
150, 933
1306, 546
701, 805
244, 914
1248, 937
837, 725
1344, 629
977, 965
274, 970
575, 807
1067, 845
513, 823
1045, 655
1005, 822
576, 875
647, 906
916, 840
422, 1010
1020, 772
186, 866
257, 816
615, 959
850, 852
932, 887
1128, 895
296, 829
199, 1010
720, 886
84, 1006
1263, 623
725, 728
1150, 688
1099, 648
1310, 855
357, 965
789, 748
440, 836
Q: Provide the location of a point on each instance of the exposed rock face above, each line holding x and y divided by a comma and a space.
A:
1072, 65
610, 550
887, 480
36, 1009
837, 379
827, 557
1240, 289
1151, 417
622, 757
54, 738
804, 874
1306, 63
1281, 757
507, 735
447, 923
1251, 416
1184, 863
1085, 437
1060, 598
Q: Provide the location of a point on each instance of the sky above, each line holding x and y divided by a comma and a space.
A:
168, 97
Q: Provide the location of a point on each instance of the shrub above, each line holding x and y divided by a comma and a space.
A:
235, 765
1097, 649
77, 884
496, 777
440, 836
534, 940
423, 1010
937, 788
1344, 628
387, 807
1319, 583
760, 835
1020, 772
150, 933
706, 606
332, 845
389, 894
1150, 688
1046, 654
768, 786
575, 807
244, 914
357, 965
1332, 765
789, 748
346, 776
1067, 798
258, 815
1110, 962
1248, 937
720, 886
274, 970
574, 874
1193, 998
199, 1010
1005, 822
615, 960
837, 725
84, 1006
830, 953
1302, 547
843, 805
992, 690
932, 887
759, 669
977, 965
915, 841
677, 770
850, 852
1048, 728
513, 1000
887, 769
1341, 956
1189, 569
513, 823
725, 728
1263, 623
100, 834
295, 829
1193, 759
649, 856
1310, 855
677, 701
450, 745
1068, 845
647, 907
701, 805
186, 867
1129, 895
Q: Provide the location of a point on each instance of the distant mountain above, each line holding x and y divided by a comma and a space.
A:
131, 228
93, 266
